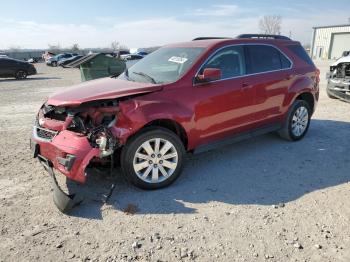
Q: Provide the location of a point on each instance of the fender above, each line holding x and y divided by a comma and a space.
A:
302, 84
136, 113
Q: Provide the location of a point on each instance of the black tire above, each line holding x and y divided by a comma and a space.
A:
330, 95
287, 132
21, 74
134, 144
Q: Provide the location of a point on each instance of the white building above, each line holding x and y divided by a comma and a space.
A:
329, 42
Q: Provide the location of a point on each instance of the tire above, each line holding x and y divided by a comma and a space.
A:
156, 170
54, 63
296, 119
330, 95
21, 74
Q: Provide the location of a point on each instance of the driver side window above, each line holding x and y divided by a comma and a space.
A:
230, 60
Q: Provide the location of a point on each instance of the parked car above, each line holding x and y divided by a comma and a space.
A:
34, 60
142, 53
131, 59
53, 61
47, 55
69, 60
185, 97
15, 68
338, 85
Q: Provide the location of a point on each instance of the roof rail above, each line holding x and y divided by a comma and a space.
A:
209, 38
264, 36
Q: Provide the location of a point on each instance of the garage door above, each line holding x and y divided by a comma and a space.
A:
340, 42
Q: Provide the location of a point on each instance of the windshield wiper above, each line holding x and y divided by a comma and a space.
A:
146, 76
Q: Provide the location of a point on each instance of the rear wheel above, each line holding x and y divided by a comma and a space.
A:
297, 122
54, 63
21, 74
153, 159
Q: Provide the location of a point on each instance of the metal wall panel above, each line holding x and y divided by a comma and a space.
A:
321, 46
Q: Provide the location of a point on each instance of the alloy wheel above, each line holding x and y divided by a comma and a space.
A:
300, 121
155, 160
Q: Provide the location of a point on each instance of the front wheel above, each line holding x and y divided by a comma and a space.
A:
297, 121
153, 159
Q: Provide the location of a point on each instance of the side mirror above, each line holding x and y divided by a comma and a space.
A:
209, 74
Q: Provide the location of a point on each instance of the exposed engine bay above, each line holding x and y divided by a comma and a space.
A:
69, 138
341, 70
339, 79
92, 120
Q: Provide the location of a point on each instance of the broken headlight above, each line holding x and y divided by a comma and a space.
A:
102, 138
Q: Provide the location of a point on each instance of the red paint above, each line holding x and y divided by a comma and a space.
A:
207, 112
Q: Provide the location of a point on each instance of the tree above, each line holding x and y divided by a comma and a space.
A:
115, 46
54, 48
270, 24
75, 48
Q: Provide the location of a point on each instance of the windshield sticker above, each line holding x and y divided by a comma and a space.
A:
177, 59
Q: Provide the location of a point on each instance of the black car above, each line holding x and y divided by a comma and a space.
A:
15, 68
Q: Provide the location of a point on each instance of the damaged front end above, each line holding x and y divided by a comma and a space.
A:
339, 81
67, 139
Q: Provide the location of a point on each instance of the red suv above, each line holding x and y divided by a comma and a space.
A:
184, 97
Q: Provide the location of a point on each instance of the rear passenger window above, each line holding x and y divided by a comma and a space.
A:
301, 53
263, 58
230, 60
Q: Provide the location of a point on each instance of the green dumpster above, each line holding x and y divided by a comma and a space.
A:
99, 65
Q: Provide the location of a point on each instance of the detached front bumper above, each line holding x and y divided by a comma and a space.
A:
339, 89
67, 152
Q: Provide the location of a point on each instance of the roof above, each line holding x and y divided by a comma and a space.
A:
328, 26
208, 43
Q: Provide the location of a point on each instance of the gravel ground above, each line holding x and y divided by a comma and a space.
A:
263, 199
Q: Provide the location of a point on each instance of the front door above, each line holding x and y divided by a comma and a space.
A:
224, 107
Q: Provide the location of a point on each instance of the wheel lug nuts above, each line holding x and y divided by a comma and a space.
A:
155, 165
160, 161
150, 162
153, 155
159, 155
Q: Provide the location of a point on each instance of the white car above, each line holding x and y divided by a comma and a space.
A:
339, 79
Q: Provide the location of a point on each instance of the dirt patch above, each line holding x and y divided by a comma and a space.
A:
261, 199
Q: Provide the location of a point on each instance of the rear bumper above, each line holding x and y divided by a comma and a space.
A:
339, 89
67, 152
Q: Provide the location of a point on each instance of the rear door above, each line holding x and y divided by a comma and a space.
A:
270, 75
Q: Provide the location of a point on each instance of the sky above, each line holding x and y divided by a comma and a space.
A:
97, 23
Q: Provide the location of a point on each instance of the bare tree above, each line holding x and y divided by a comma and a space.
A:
54, 48
75, 48
115, 46
270, 24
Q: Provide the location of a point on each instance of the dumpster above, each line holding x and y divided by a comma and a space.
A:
98, 65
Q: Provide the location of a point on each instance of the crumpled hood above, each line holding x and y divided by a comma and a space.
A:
344, 59
100, 89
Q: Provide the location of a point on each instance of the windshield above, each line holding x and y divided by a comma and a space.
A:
165, 65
